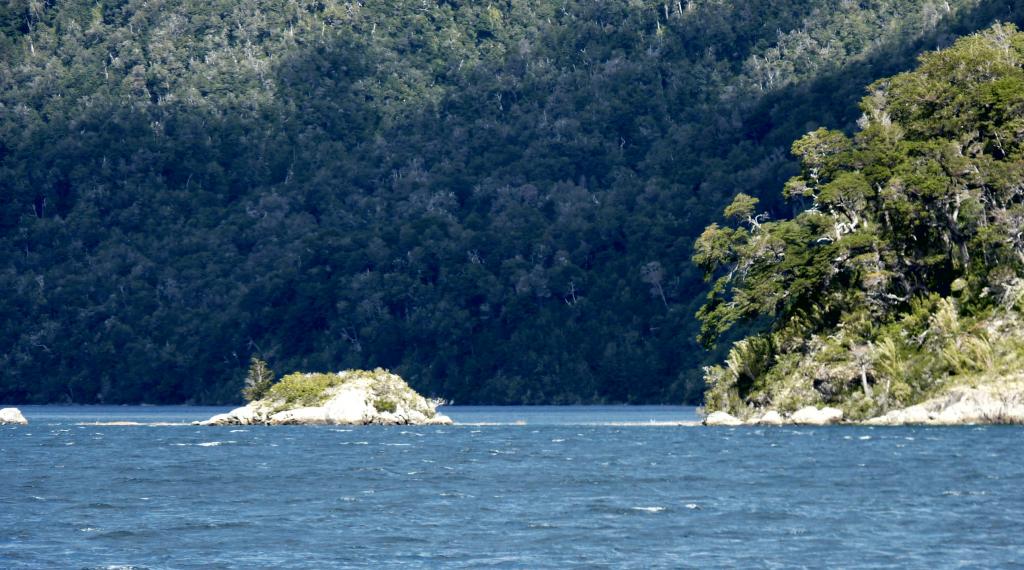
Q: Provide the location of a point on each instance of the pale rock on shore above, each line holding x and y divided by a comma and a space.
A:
769, 418
722, 419
354, 402
1001, 404
804, 416
997, 403
811, 416
12, 416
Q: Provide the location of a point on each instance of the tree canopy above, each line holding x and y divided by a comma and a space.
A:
919, 214
496, 200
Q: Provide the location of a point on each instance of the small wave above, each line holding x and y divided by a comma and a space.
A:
398, 444
693, 506
123, 533
956, 493
864, 437
649, 509
102, 506
557, 440
210, 525
213, 443
239, 431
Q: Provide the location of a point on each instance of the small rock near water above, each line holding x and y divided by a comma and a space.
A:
769, 418
722, 419
12, 416
811, 416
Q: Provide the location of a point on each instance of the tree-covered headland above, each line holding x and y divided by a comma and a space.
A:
496, 200
901, 273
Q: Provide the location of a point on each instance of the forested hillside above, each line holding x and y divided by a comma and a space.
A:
496, 200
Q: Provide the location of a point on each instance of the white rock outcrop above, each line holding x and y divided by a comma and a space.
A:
722, 419
962, 406
769, 418
358, 398
244, 416
811, 416
12, 416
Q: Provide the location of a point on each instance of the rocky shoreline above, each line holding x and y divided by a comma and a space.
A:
809, 416
1000, 404
962, 406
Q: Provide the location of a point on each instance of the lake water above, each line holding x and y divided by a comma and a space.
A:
585, 487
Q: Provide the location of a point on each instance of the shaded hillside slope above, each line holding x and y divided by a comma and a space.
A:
496, 201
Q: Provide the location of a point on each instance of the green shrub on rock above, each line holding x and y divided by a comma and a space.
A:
304, 388
385, 405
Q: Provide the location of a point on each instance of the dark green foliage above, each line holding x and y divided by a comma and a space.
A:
385, 405
923, 203
498, 201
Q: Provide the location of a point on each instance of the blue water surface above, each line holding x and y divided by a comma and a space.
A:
509, 487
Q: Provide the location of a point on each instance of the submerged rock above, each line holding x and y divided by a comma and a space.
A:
722, 419
353, 397
12, 416
811, 416
962, 406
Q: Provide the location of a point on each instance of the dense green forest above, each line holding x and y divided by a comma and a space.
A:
496, 200
901, 275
